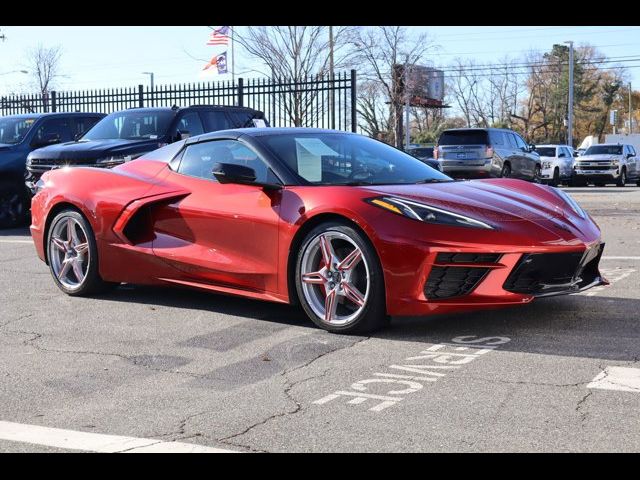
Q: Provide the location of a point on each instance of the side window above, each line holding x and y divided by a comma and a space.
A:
198, 159
497, 138
216, 120
190, 122
512, 140
54, 128
521, 144
561, 152
632, 150
240, 119
83, 124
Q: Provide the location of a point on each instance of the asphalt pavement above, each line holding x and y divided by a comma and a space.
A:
142, 368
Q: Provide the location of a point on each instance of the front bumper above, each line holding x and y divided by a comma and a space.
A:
601, 174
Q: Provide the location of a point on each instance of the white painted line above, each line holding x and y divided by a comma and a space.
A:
624, 379
95, 442
620, 258
17, 241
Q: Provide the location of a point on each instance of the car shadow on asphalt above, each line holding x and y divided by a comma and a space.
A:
15, 232
576, 325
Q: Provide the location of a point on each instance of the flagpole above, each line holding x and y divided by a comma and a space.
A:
233, 56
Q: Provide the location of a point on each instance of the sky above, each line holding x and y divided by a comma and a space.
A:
108, 57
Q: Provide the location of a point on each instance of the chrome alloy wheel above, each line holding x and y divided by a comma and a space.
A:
69, 252
335, 278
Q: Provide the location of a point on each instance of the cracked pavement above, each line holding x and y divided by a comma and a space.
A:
178, 365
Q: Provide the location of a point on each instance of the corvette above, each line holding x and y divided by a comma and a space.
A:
353, 230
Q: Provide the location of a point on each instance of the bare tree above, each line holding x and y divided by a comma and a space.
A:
44, 65
376, 51
295, 53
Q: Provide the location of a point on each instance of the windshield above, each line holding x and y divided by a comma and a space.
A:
604, 150
131, 125
345, 159
546, 151
13, 130
464, 137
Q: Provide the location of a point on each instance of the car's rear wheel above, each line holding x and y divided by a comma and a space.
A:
622, 179
14, 205
339, 280
73, 255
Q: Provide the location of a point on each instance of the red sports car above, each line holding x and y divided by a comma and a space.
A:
350, 228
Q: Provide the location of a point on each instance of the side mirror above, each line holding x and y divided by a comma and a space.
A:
532, 148
183, 135
231, 173
629, 155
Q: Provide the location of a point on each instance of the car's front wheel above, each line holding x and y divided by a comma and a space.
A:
339, 280
73, 255
555, 181
537, 174
622, 179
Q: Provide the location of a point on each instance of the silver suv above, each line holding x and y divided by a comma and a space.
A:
487, 152
607, 163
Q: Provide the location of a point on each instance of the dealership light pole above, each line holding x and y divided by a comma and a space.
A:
570, 106
332, 110
630, 110
150, 75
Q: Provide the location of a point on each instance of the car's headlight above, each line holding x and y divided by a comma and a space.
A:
546, 165
571, 202
425, 213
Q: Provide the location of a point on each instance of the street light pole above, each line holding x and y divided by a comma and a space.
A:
570, 106
630, 110
332, 108
150, 75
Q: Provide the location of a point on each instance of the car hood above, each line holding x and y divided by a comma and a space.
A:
492, 201
599, 157
94, 149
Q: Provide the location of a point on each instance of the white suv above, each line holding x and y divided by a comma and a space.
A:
607, 163
557, 163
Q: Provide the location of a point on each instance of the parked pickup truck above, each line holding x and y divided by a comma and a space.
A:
607, 163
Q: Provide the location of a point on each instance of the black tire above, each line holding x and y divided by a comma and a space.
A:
506, 171
622, 179
92, 282
373, 315
537, 174
14, 205
555, 180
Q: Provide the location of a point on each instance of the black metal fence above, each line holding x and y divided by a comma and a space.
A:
314, 101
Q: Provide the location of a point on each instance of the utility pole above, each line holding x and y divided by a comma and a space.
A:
570, 106
151, 77
630, 111
332, 110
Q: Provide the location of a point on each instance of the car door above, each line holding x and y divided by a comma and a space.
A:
527, 160
52, 131
632, 162
567, 164
515, 156
222, 234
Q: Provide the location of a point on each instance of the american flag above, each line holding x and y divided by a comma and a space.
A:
219, 36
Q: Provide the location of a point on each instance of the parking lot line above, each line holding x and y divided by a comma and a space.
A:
624, 379
95, 442
16, 241
620, 258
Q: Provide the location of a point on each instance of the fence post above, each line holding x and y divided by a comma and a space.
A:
354, 103
240, 92
53, 101
140, 96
